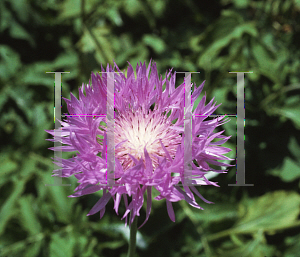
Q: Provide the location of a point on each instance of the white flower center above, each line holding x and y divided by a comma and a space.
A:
144, 130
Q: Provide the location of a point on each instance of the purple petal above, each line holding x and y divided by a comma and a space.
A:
148, 161
199, 195
100, 204
149, 203
88, 190
170, 210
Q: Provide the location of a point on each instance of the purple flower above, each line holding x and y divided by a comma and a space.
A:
149, 139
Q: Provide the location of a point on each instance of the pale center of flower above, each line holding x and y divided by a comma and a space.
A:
142, 130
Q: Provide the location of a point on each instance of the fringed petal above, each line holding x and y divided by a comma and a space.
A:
149, 204
100, 204
170, 210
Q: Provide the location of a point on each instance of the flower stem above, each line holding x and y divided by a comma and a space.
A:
132, 240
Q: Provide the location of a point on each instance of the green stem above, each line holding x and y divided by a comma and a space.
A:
132, 240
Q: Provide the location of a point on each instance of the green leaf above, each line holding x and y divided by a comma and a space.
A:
230, 127
82, 242
86, 42
220, 95
17, 31
90, 249
35, 74
69, 9
33, 249
111, 245
292, 113
7, 165
132, 7
106, 46
289, 171
158, 7
154, 42
216, 213
62, 246
114, 15
23, 98
241, 3
224, 39
9, 62
28, 168
141, 53
62, 204
272, 211
66, 61
5, 15
14, 249
297, 4
293, 244
21, 7
39, 120
294, 148
28, 215
3, 96
267, 65
72, 8
114, 230
250, 248
8, 209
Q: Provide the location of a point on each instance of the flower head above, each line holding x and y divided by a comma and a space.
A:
148, 140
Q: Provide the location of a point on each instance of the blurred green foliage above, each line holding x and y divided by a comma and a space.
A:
213, 37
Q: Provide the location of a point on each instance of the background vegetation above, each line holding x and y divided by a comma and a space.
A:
213, 37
